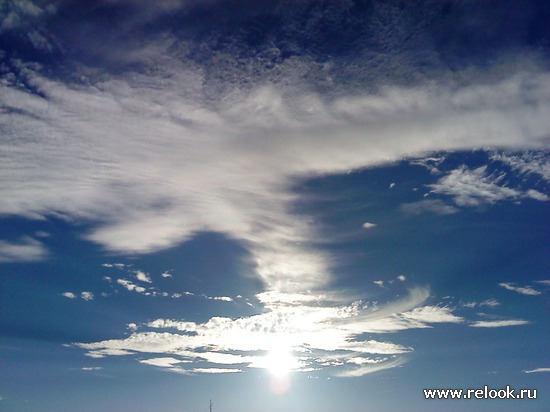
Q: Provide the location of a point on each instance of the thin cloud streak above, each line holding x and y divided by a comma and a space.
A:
498, 323
537, 370
524, 290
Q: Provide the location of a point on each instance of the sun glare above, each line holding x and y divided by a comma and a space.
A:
280, 362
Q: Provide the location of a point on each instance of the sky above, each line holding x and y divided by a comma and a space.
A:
273, 205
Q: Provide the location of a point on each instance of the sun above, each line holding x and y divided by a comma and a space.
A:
280, 362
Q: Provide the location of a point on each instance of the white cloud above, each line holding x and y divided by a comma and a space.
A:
224, 298
131, 286
114, 265
318, 335
401, 278
474, 187
215, 370
379, 283
26, 249
368, 225
524, 290
108, 352
113, 121
432, 314
537, 370
87, 295
534, 194
527, 163
429, 205
91, 368
69, 295
543, 282
143, 277
151, 157
491, 303
162, 362
370, 368
498, 323
166, 274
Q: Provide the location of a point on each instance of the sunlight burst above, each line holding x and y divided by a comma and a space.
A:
280, 362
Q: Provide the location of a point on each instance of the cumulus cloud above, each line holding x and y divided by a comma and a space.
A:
223, 298
524, 290
26, 249
368, 225
69, 295
131, 286
87, 295
143, 277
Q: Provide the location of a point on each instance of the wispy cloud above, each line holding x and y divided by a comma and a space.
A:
429, 205
537, 370
491, 303
168, 205
526, 163
498, 323
524, 290
474, 187
26, 249
87, 295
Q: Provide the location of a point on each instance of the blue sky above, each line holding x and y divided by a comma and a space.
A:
298, 206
